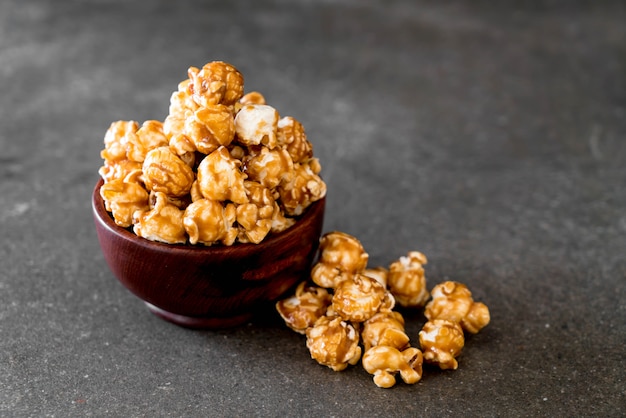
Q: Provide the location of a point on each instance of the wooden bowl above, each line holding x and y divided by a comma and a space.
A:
209, 287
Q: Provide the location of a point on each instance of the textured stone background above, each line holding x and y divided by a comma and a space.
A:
489, 135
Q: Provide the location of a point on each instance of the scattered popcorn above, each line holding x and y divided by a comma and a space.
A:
453, 301
442, 341
349, 303
214, 144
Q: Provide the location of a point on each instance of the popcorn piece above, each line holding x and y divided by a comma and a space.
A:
181, 101
148, 137
270, 167
210, 127
453, 301
208, 221
122, 197
384, 362
279, 221
257, 125
114, 146
255, 217
118, 169
406, 280
442, 341
305, 188
385, 328
184, 148
254, 97
333, 342
358, 298
377, 273
165, 172
219, 177
164, 222
292, 137
216, 83
339, 253
302, 310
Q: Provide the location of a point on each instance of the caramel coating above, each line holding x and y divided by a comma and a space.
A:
112, 170
333, 342
442, 341
304, 308
305, 188
358, 298
339, 253
385, 328
164, 222
146, 138
257, 124
216, 83
165, 172
270, 167
219, 177
210, 128
406, 280
255, 217
384, 362
377, 273
208, 222
293, 139
123, 197
453, 301
114, 144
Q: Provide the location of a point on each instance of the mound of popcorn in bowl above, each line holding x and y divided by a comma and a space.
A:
223, 167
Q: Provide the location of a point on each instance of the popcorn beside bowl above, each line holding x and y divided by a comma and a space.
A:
209, 286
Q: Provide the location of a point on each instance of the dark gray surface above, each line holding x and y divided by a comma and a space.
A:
490, 136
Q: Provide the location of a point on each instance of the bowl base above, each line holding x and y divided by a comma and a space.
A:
199, 322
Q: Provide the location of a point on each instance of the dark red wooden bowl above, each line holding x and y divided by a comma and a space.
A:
209, 287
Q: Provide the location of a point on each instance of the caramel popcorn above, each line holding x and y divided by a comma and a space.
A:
213, 140
339, 253
255, 218
210, 128
384, 362
442, 341
146, 138
406, 280
257, 124
305, 188
385, 328
291, 137
304, 308
358, 298
164, 222
453, 301
165, 172
124, 197
270, 167
219, 177
333, 342
207, 221
216, 83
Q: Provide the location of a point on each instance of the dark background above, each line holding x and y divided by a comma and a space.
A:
491, 136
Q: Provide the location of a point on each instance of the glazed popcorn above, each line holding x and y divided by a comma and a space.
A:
346, 297
340, 253
248, 171
333, 342
453, 301
385, 361
304, 308
406, 280
442, 341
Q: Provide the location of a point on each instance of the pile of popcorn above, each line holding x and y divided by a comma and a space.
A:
223, 167
347, 313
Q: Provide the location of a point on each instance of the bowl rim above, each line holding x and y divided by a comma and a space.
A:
105, 219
